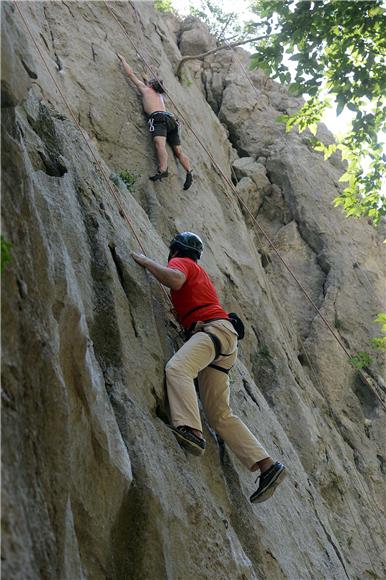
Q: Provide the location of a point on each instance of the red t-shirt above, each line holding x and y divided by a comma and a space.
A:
197, 291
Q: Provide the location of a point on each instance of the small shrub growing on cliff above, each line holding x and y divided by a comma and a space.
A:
5, 252
163, 5
129, 179
338, 324
264, 352
360, 360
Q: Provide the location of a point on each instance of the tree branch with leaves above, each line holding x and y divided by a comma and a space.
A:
339, 51
202, 56
226, 27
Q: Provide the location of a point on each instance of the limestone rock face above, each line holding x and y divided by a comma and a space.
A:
194, 37
16, 69
94, 484
247, 167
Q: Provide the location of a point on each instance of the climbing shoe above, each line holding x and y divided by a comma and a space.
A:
188, 180
159, 175
269, 481
189, 440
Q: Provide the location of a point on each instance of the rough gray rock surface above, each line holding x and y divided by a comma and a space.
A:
94, 484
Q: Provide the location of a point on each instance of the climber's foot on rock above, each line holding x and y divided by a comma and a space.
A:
188, 180
269, 480
191, 442
159, 175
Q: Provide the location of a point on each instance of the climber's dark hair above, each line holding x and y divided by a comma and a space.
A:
157, 85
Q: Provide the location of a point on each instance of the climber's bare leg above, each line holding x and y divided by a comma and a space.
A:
183, 159
160, 149
185, 164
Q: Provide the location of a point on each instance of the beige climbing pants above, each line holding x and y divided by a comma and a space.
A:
192, 360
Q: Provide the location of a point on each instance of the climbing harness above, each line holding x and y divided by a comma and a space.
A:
221, 369
159, 116
214, 338
217, 350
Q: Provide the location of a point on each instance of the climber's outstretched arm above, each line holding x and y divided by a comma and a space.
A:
173, 279
129, 71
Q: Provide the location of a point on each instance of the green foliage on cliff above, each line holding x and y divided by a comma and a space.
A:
360, 360
5, 252
164, 5
128, 179
264, 352
338, 49
379, 342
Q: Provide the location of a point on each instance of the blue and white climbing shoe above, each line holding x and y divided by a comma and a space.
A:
269, 481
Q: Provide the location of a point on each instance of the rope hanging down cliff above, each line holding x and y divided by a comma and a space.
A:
247, 209
122, 210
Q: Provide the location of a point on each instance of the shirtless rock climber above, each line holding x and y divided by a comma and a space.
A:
163, 126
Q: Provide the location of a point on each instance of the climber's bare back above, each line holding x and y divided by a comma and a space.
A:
152, 101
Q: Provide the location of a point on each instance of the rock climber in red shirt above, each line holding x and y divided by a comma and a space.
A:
209, 353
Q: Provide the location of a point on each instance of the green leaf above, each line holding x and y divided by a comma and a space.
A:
381, 318
163, 5
339, 108
5, 253
360, 360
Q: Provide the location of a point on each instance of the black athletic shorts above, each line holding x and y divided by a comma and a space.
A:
163, 124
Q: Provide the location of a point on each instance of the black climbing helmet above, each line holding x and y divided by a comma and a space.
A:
187, 241
157, 85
